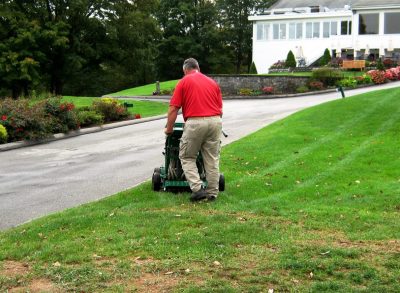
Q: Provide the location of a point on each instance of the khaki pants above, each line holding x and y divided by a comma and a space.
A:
201, 134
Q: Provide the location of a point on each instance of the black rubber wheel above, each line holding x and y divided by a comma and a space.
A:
221, 184
156, 181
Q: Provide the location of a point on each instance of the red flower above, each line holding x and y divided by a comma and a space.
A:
137, 116
4, 118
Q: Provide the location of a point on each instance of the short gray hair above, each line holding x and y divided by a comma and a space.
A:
191, 63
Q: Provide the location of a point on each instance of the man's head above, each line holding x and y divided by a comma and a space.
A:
190, 64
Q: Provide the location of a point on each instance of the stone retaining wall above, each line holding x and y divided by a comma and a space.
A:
231, 84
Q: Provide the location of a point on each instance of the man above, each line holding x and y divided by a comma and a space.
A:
201, 101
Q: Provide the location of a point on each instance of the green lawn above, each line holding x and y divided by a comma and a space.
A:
312, 204
146, 90
144, 108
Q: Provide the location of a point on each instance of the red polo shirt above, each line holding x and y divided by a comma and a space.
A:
198, 96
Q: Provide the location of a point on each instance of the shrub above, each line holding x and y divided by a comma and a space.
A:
89, 117
335, 62
111, 109
165, 92
290, 60
326, 58
23, 121
268, 90
379, 65
3, 134
64, 118
245, 92
395, 72
349, 82
387, 63
278, 65
367, 78
302, 89
253, 68
316, 85
328, 76
377, 76
363, 79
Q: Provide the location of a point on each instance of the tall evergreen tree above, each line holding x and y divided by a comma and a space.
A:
189, 30
238, 29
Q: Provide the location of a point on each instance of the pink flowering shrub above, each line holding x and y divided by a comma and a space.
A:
377, 76
395, 71
316, 85
268, 90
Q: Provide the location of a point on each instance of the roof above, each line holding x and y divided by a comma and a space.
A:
333, 4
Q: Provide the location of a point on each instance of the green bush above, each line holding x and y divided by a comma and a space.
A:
290, 60
111, 109
23, 121
349, 82
379, 65
3, 134
245, 92
89, 117
253, 68
302, 89
328, 76
363, 79
64, 116
326, 58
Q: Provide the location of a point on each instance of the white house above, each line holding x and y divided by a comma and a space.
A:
350, 29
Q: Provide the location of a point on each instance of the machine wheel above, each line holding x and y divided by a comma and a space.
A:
221, 184
156, 181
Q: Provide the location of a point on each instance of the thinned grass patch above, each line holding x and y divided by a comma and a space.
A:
311, 204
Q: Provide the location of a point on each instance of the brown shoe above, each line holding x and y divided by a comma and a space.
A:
198, 195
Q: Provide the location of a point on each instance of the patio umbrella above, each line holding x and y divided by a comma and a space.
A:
299, 52
367, 50
390, 46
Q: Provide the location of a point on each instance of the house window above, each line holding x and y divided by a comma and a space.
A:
326, 29
262, 31
368, 24
392, 23
316, 29
279, 31
329, 28
345, 27
299, 30
333, 28
295, 30
292, 31
308, 30
312, 30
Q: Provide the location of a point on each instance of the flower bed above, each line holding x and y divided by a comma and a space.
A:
23, 120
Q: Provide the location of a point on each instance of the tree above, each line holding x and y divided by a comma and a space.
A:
290, 60
189, 29
253, 68
79, 45
237, 29
326, 58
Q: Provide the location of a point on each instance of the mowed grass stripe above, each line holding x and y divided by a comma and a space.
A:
332, 136
317, 150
